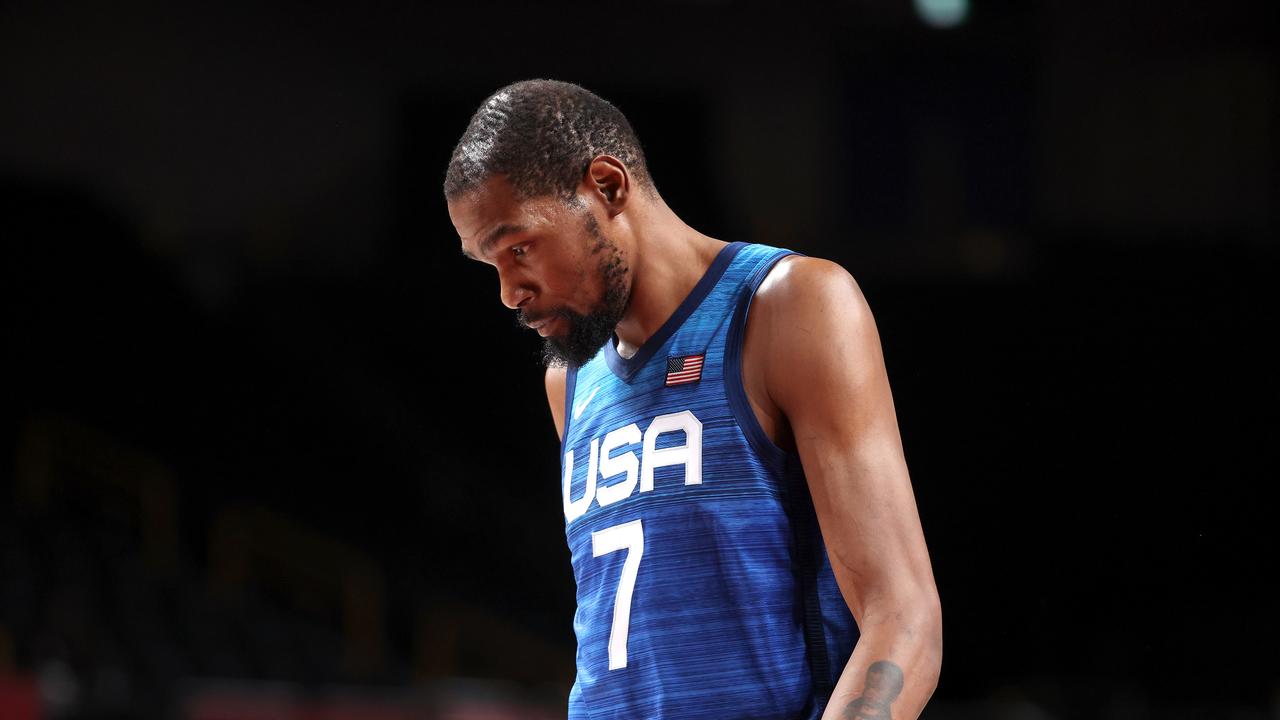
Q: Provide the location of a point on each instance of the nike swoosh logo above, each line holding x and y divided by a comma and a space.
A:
579, 407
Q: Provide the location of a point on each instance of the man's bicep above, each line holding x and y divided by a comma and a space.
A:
826, 371
828, 378
555, 381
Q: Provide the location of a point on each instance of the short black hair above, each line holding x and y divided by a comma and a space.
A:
542, 134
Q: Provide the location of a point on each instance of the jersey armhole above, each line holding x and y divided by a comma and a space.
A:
570, 383
735, 388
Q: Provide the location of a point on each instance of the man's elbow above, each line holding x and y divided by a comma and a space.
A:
915, 618
926, 626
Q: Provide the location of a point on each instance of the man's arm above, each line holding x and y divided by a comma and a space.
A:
823, 370
555, 396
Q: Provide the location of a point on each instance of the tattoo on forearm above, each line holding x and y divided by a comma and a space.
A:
883, 684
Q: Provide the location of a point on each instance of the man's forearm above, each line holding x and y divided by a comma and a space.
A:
894, 668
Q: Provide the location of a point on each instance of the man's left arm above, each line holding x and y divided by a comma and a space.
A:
825, 373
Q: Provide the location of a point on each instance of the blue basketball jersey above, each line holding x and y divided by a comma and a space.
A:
704, 589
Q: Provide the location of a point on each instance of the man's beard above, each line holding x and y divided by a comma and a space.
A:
588, 333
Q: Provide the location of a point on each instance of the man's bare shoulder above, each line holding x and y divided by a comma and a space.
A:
808, 313
800, 288
555, 382
556, 378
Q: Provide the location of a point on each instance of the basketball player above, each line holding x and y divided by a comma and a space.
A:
734, 487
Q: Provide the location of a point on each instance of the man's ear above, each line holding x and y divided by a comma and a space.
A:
608, 179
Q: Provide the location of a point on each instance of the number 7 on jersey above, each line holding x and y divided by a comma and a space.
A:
630, 537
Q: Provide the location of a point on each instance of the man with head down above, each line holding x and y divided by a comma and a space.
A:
742, 526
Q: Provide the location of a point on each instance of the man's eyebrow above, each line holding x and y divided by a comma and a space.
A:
497, 234
492, 238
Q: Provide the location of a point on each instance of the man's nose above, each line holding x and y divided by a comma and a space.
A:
514, 291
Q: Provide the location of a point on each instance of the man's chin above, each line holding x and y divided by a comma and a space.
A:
568, 351
553, 355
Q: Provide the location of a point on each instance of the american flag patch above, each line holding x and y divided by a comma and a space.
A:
683, 370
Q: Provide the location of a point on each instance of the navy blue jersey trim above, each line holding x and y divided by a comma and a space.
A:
626, 368
734, 388
808, 550
570, 384
804, 522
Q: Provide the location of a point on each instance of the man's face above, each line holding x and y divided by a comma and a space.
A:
556, 269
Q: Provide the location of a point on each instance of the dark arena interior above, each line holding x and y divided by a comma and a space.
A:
273, 449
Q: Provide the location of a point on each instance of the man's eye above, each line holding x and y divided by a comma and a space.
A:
519, 250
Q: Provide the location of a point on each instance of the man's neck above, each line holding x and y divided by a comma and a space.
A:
669, 259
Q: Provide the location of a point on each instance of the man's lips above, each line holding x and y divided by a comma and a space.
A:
543, 325
546, 325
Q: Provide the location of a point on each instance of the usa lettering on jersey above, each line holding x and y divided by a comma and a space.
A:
634, 471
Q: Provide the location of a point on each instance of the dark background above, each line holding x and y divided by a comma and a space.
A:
270, 442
